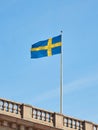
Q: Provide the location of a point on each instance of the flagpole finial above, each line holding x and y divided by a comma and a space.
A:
61, 31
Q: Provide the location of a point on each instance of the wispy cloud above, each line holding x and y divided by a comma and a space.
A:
68, 88
81, 83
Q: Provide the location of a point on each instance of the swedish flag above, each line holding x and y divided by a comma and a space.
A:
47, 47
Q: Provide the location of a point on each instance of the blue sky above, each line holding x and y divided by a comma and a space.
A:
36, 82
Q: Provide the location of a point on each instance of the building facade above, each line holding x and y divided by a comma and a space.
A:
17, 116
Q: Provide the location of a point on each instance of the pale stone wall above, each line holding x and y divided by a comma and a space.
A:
16, 116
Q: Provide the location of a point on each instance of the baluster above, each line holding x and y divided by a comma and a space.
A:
12, 107
95, 128
80, 125
2, 105
36, 114
40, 115
5, 108
71, 123
15, 109
48, 115
75, 124
45, 116
8, 106
51, 118
68, 123
65, 122
32, 113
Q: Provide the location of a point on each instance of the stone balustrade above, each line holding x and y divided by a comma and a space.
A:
25, 117
10, 107
73, 123
42, 115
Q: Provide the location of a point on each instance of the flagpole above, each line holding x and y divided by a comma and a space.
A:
61, 79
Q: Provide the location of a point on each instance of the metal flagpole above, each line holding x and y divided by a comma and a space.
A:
61, 79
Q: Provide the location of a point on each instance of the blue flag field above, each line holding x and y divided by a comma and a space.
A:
49, 47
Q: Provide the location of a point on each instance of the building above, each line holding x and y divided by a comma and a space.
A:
16, 116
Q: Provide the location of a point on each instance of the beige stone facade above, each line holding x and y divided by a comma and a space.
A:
16, 116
